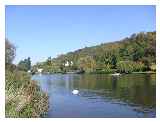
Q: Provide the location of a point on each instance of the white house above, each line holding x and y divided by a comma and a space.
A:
66, 64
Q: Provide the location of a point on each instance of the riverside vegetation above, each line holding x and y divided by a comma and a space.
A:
136, 53
23, 97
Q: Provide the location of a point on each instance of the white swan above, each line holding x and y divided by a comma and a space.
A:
75, 92
116, 74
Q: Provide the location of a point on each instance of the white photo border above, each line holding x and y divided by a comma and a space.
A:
3, 3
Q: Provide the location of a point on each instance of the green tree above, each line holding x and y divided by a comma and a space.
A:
114, 61
49, 61
110, 59
9, 52
25, 64
87, 64
125, 66
137, 53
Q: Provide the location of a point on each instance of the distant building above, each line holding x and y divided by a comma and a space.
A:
67, 63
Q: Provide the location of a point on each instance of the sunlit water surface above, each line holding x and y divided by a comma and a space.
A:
100, 95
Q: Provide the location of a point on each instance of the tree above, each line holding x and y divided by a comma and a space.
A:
147, 63
29, 63
110, 59
125, 66
114, 61
49, 61
137, 54
9, 52
25, 64
87, 64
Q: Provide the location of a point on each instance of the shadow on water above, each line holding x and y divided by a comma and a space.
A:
131, 95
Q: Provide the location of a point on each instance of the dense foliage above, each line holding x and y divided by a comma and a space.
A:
9, 52
25, 64
131, 54
23, 98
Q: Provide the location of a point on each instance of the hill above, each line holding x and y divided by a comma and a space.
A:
132, 54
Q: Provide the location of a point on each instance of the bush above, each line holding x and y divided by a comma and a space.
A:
124, 66
138, 67
108, 69
16, 79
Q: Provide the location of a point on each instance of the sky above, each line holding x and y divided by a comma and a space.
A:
42, 31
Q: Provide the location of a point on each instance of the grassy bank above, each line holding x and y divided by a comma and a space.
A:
23, 97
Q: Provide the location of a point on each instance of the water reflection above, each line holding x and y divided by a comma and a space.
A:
135, 94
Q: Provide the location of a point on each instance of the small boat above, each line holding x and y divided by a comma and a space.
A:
75, 92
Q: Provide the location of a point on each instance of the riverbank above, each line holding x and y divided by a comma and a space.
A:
23, 97
98, 72
147, 72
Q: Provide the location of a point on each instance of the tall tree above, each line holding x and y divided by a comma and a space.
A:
9, 52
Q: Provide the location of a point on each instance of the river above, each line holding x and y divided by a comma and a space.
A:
100, 95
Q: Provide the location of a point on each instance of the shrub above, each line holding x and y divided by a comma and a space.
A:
125, 66
16, 79
138, 66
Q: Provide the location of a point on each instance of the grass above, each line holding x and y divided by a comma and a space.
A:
23, 98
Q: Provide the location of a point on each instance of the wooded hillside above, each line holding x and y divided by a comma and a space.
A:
134, 53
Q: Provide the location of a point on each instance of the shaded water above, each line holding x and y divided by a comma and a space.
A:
100, 95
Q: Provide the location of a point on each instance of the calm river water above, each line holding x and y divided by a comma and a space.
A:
100, 95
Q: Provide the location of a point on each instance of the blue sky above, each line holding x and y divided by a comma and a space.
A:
42, 31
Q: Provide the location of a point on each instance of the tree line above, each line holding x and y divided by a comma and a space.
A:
136, 53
